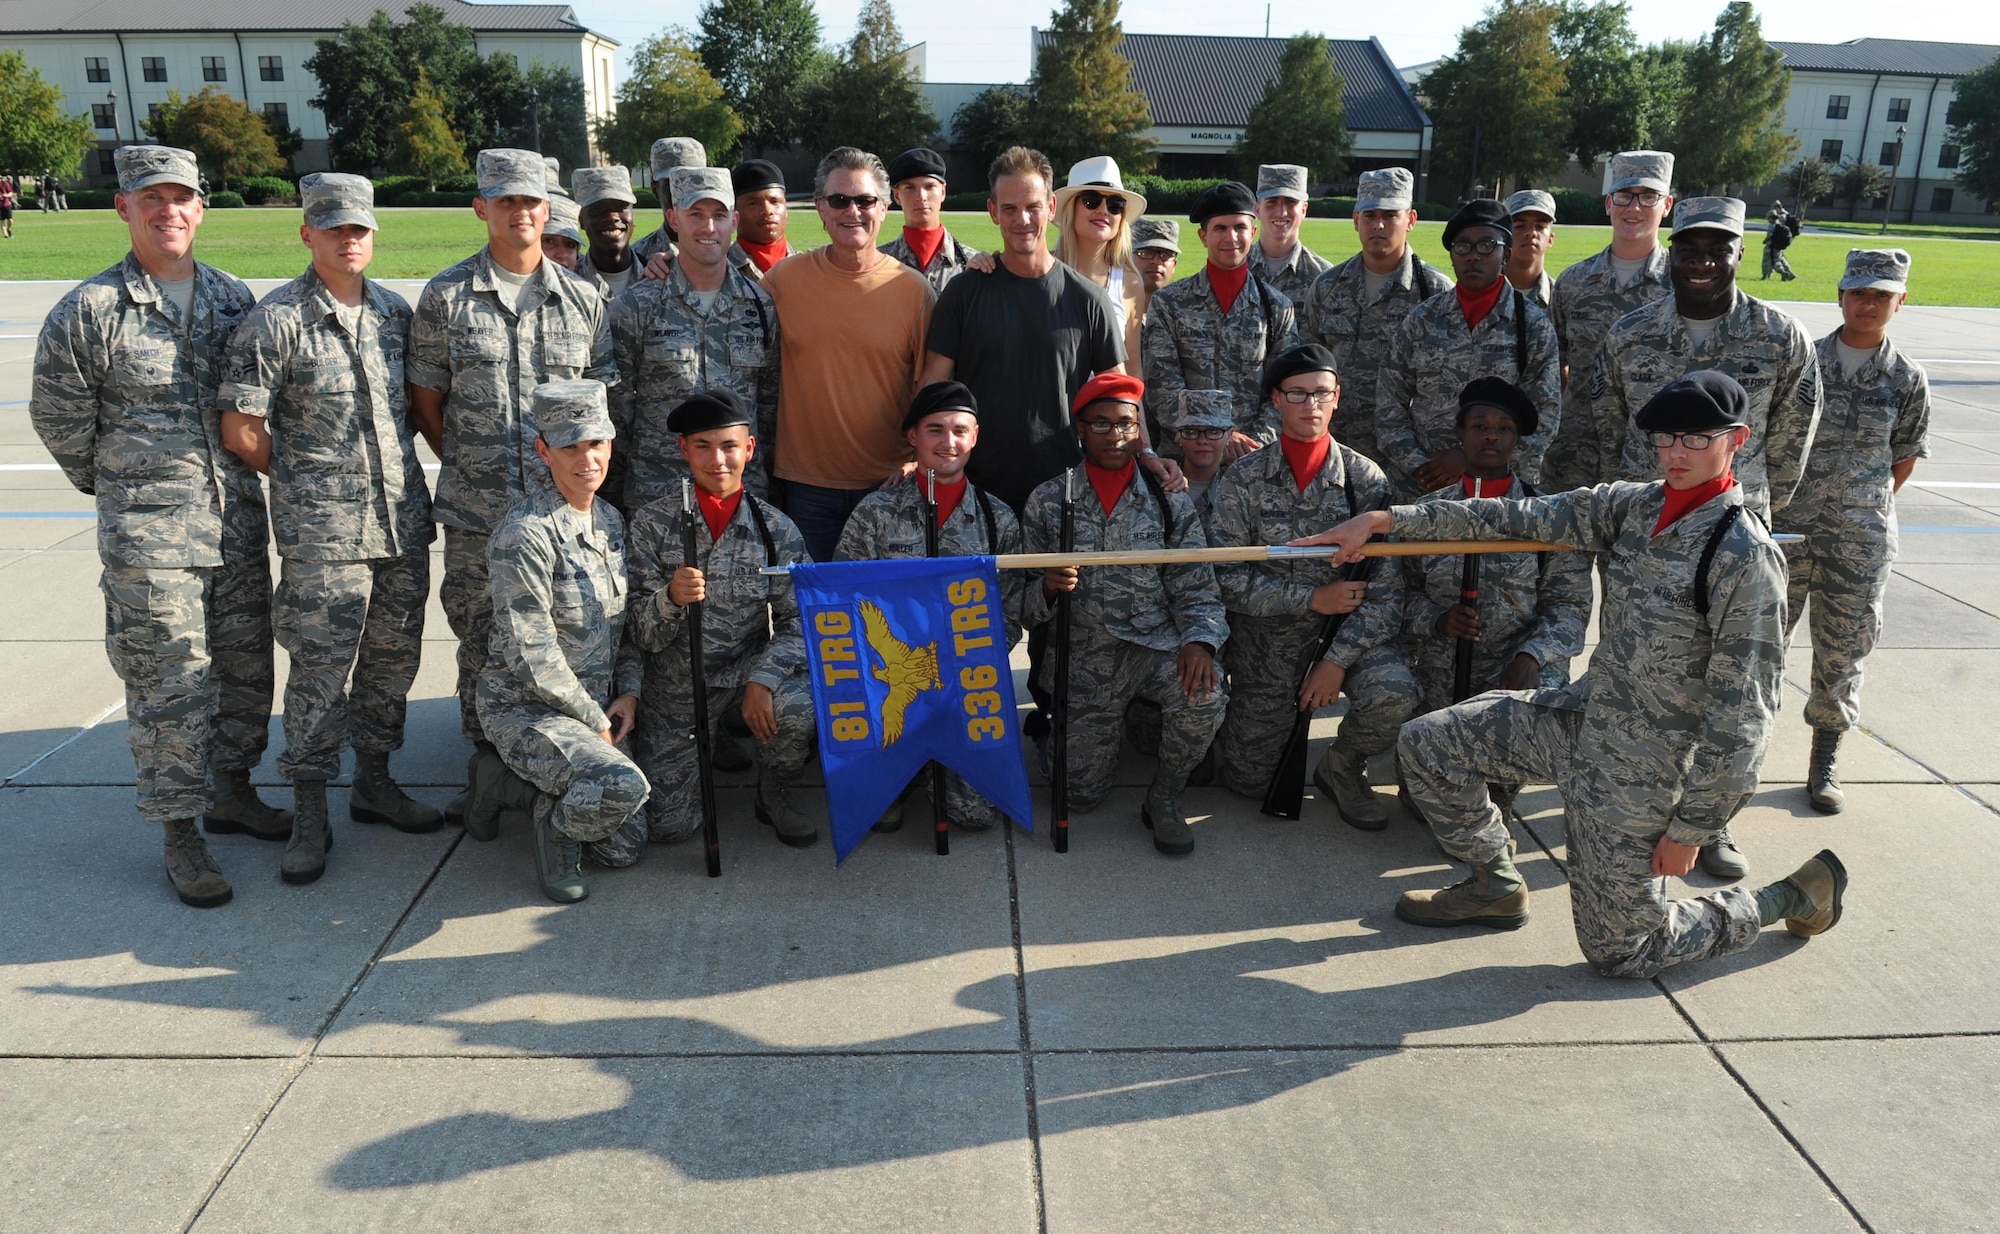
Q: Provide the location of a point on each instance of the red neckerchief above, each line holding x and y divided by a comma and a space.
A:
924, 245
1476, 304
1111, 485
1228, 284
716, 511
1680, 501
949, 494
1306, 457
767, 255
1477, 488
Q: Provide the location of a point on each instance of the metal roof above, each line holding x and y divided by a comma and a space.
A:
1201, 79
145, 16
1900, 57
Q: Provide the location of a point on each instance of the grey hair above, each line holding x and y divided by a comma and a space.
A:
847, 158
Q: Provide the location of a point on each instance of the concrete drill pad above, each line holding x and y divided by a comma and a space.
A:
899, 949
120, 1145
257, 976
1433, 1139
1987, 793
1906, 1128
53, 597
52, 691
1914, 615
1863, 759
714, 1144
1978, 586
1933, 705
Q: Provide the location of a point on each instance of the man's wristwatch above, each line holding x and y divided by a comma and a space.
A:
1149, 452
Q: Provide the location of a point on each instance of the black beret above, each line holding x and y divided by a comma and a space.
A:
940, 396
917, 162
753, 174
1508, 397
1484, 212
705, 410
1305, 358
1701, 401
1229, 197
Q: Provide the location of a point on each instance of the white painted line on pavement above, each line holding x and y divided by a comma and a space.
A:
1953, 484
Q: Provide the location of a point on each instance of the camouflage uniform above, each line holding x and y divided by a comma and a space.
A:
1663, 736
889, 523
1846, 510
486, 360
745, 265
1542, 293
1538, 603
652, 243
1127, 626
1764, 349
1273, 627
1432, 357
750, 632
1359, 335
1588, 300
123, 398
949, 260
1294, 275
350, 510
667, 154
1190, 344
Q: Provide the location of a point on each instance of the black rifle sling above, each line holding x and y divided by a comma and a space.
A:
763, 530
992, 528
1722, 526
1520, 336
1166, 507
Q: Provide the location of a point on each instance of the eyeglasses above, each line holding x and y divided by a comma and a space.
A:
1093, 200
841, 202
1106, 428
1466, 248
1693, 441
1647, 199
1201, 434
1299, 398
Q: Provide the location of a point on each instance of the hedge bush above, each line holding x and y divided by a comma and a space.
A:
225, 200
1576, 208
258, 190
440, 198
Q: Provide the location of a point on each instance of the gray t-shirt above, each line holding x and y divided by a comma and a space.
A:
509, 284
1700, 332
615, 284
181, 292
1373, 283
1852, 358
1625, 273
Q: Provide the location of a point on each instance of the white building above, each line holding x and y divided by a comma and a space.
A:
115, 59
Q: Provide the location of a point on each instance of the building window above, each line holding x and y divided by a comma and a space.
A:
1892, 153
1947, 157
1836, 106
270, 68
107, 163
1951, 113
153, 68
96, 68
213, 69
102, 116
1829, 150
1899, 110
277, 118
1940, 201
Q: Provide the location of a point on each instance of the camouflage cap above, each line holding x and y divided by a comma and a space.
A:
1281, 180
1390, 188
1203, 409
691, 184
1713, 213
140, 166
512, 173
565, 220
554, 176
672, 152
1534, 200
594, 184
566, 412
1639, 169
1882, 269
1152, 233
335, 199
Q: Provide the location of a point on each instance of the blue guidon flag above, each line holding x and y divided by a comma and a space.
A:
909, 663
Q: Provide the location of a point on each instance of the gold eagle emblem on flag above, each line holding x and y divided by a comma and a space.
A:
908, 671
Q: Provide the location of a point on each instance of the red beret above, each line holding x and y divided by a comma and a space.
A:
1117, 387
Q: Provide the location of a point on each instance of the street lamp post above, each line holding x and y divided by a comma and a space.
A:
535, 110
1889, 193
112, 97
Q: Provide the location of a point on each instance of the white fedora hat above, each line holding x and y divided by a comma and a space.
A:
1099, 173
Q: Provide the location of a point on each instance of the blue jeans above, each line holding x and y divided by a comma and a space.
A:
821, 514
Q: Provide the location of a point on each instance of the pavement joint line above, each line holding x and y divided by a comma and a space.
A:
1947, 595
64, 744
1025, 1046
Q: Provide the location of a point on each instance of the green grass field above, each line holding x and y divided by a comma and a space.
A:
264, 243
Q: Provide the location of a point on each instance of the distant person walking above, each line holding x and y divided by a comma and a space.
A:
1785, 226
6, 207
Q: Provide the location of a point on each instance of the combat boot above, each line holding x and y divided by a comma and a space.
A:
377, 798
558, 859
1342, 778
461, 801
1494, 897
1821, 784
197, 880
312, 834
498, 795
1723, 859
1823, 881
730, 752
239, 811
774, 810
1162, 815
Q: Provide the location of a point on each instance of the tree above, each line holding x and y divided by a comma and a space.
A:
1300, 118
763, 53
1859, 181
565, 126
1731, 129
989, 122
425, 143
1660, 73
1974, 120
225, 136
361, 90
1807, 182
1081, 101
867, 97
1602, 94
1497, 102
35, 132
668, 92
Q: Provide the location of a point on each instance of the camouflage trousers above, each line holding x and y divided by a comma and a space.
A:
1625, 923
340, 617
1844, 574
466, 596
597, 789
1268, 660
665, 747
1106, 675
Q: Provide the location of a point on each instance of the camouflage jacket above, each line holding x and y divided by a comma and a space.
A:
1868, 423
1542, 293
1161, 607
1359, 334
743, 263
666, 348
124, 399
345, 481
1294, 276
1588, 301
1258, 502
750, 622
1189, 344
655, 241
949, 260
1677, 706
1765, 349
1434, 355
487, 360
559, 610
889, 523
